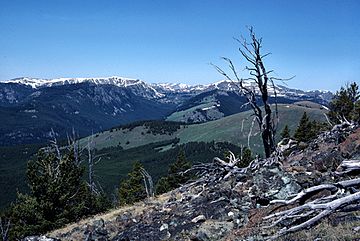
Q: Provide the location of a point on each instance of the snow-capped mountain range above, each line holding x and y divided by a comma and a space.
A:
31, 107
160, 90
38, 83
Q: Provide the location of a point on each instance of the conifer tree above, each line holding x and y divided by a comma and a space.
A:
132, 189
302, 133
308, 130
58, 195
163, 185
285, 132
175, 176
355, 114
346, 104
246, 157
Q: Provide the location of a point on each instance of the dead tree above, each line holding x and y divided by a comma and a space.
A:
265, 117
74, 146
148, 183
343, 196
92, 161
4, 228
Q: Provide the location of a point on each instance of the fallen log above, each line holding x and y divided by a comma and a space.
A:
308, 214
348, 166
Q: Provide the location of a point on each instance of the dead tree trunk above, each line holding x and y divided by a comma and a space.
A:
91, 165
92, 161
4, 228
265, 117
148, 183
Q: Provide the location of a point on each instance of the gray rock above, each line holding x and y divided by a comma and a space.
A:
165, 226
213, 230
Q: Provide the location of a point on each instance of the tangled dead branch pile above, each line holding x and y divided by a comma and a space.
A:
313, 204
292, 190
341, 196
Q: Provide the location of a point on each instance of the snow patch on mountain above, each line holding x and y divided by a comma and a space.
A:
37, 82
161, 90
138, 86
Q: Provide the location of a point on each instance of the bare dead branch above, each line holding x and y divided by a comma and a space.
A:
250, 131
251, 52
4, 228
148, 183
312, 212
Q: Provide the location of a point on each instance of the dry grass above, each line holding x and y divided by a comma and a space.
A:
253, 226
74, 231
325, 231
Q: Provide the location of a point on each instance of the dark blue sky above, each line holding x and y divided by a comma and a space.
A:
174, 41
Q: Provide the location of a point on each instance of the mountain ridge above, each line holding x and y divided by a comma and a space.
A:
159, 89
31, 107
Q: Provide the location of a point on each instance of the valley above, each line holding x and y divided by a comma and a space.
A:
31, 108
179, 120
156, 144
233, 129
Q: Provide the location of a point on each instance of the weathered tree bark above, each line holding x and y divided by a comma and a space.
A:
148, 183
4, 228
91, 165
92, 161
349, 166
310, 213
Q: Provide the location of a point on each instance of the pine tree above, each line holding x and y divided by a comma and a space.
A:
163, 185
308, 130
175, 176
345, 104
285, 132
303, 129
132, 189
355, 114
246, 157
27, 217
58, 195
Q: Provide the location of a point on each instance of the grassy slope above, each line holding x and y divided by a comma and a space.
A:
180, 115
144, 146
135, 137
228, 129
117, 163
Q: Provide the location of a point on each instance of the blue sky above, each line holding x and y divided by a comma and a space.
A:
174, 41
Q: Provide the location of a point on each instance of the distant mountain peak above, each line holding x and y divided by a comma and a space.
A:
38, 82
139, 86
160, 90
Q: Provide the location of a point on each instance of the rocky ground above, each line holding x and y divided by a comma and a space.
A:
230, 203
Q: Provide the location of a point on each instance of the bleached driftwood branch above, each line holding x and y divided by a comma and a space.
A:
220, 169
348, 166
148, 183
4, 228
341, 197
